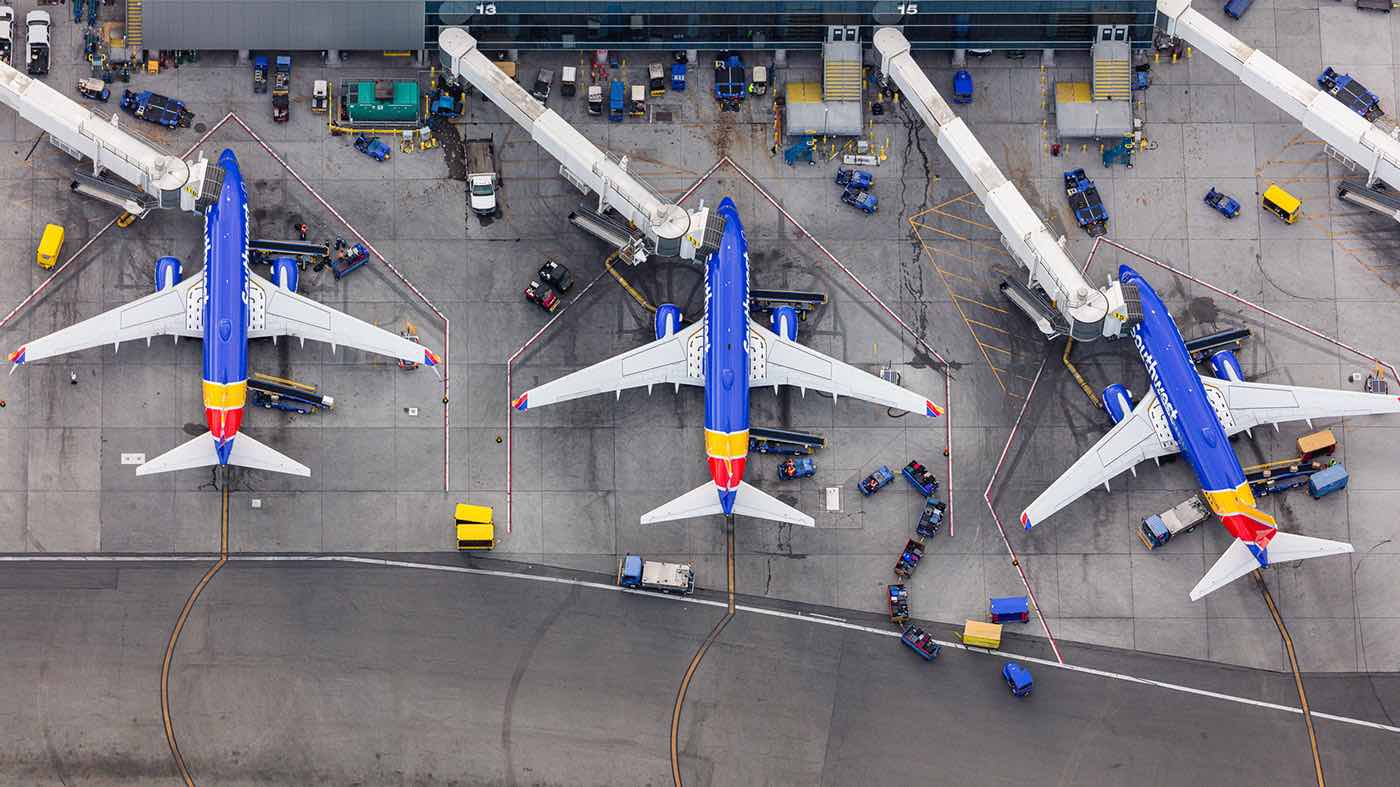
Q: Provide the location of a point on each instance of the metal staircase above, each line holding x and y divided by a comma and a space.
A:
1113, 79
133, 24
841, 71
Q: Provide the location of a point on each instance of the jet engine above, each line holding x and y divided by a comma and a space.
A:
284, 273
1226, 366
784, 322
668, 320
1118, 401
168, 273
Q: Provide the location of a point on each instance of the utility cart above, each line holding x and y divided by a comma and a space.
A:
1085, 203
921, 642
898, 596
931, 517
921, 478
909, 558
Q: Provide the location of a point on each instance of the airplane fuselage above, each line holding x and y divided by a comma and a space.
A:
727, 357
1192, 418
226, 308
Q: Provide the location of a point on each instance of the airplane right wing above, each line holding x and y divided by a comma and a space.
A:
677, 360
1257, 404
173, 311
1141, 436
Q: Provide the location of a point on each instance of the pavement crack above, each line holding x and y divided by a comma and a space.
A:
517, 677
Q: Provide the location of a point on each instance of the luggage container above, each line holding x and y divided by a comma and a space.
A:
1317, 444
476, 528
981, 635
1010, 609
1328, 480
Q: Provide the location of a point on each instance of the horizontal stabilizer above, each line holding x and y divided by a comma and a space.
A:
748, 501
1239, 559
202, 452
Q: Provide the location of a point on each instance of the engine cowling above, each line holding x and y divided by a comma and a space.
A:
168, 273
1118, 401
668, 320
284, 273
783, 322
1226, 366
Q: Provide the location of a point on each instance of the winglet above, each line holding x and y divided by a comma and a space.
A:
932, 410
1026, 520
431, 358
17, 357
521, 402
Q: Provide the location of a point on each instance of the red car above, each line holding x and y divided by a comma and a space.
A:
542, 295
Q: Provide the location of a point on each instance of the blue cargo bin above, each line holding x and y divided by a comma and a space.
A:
1328, 480
1010, 609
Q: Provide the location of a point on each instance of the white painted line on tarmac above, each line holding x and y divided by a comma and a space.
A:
824, 620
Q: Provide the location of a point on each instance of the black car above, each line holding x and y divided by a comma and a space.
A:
556, 276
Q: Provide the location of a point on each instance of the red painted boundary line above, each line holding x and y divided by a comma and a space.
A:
446, 324
510, 362
947, 380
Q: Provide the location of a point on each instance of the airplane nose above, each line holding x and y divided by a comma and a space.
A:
726, 500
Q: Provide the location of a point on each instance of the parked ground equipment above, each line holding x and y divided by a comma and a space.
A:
1229, 207
637, 106
1316, 444
875, 481
36, 25
765, 440
981, 635
962, 87
158, 109
898, 596
731, 83
7, 34
656, 79
1085, 203
634, 572
1328, 480
1009, 609
1184, 517
544, 82
931, 517
541, 295
918, 475
1119, 153
861, 200
348, 259
94, 89
281, 89
921, 642
801, 150
261, 67
372, 147
595, 99
279, 393
483, 177
50, 244
320, 95
909, 558
799, 301
678, 77
1236, 8
1142, 76
617, 99
556, 276
476, 527
1350, 92
758, 81
1018, 679
854, 178
1280, 203
796, 467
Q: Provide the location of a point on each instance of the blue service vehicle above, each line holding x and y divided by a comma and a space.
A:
921, 642
918, 475
854, 178
636, 573
861, 200
1010, 609
260, 68
678, 77
1229, 207
793, 468
875, 481
801, 150
1236, 8
348, 259
1017, 678
617, 98
1328, 480
1085, 203
962, 87
731, 83
1350, 92
931, 517
155, 108
372, 147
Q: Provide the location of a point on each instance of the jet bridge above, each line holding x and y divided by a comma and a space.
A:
1346, 133
669, 229
161, 180
1056, 296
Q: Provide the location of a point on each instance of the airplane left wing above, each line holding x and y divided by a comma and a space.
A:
775, 360
672, 360
173, 311
1258, 404
1141, 436
287, 313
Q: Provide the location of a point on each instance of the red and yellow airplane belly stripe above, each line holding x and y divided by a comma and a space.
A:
727, 452
223, 407
1238, 514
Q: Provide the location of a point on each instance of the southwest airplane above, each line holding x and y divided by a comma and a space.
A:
1185, 412
225, 304
727, 353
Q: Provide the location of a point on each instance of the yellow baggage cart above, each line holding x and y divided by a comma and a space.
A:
475, 528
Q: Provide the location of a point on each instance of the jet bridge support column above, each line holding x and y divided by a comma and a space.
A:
670, 230
1085, 313
1343, 130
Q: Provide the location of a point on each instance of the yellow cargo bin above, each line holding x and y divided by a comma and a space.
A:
1310, 445
982, 635
1280, 203
475, 527
49, 246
